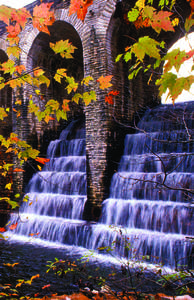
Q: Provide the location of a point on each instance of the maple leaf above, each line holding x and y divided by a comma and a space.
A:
72, 85
2, 229
87, 80
20, 69
5, 14
38, 72
109, 99
76, 97
42, 160
65, 105
21, 16
114, 93
14, 50
175, 58
18, 170
13, 226
80, 7
16, 82
146, 45
13, 31
3, 113
43, 17
161, 21
64, 48
61, 73
8, 66
88, 97
105, 82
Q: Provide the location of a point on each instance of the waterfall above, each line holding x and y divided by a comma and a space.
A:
148, 215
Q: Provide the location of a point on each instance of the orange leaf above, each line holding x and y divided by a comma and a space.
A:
20, 16
43, 17
46, 286
20, 69
18, 170
105, 81
13, 31
42, 160
13, 226
35, 276
65, 105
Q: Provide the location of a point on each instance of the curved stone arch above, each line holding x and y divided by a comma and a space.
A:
30, 35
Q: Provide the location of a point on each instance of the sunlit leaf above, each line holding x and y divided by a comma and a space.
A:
64, 48
13, 226
80, 7
43, 17
104, 81
42, 160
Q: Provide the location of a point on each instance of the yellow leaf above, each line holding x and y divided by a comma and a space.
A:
8, 186
140, 4
175, 22
39, 167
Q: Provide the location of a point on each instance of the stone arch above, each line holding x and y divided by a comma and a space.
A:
38, 53
135, 95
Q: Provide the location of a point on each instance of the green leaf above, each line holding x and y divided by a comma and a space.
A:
76, 98
133, 15
189, 22
13, 204
127, 56
118, 57
72, 85
64, 48
88, 97
146, 45
87, 80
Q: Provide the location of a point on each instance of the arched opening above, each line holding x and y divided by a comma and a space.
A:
186, 43
135, 94
41, 55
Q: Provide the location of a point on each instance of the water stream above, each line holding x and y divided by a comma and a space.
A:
148, 215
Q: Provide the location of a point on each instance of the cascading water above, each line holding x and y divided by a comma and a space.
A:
149, 214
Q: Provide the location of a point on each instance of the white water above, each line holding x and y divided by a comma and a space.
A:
148, 216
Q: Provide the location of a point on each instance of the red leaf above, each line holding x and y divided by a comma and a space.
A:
46, 286
18, 170
13, 226
42, 160
81, 7
13, 31
20, 16
114, 93
109, 99
161, 21
2, 229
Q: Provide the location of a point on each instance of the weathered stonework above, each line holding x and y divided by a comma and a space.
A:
103, 35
